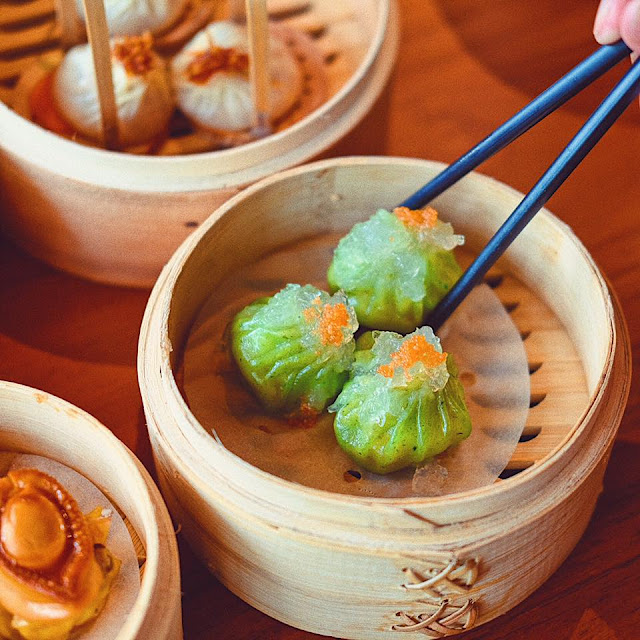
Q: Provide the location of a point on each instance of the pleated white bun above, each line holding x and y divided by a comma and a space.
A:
223, 101
134, 17
144, 102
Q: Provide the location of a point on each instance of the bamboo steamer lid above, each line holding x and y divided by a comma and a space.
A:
117, 218
369, 568
38, 423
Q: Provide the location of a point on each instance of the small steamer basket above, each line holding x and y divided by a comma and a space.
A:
118, 217
370, 568
35, 422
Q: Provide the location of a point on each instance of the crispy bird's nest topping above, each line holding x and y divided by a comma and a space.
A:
135, 53
214, 60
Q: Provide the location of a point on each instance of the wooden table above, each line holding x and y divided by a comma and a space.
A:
463, 68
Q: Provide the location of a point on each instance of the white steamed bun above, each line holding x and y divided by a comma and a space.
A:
221, 99
141, 85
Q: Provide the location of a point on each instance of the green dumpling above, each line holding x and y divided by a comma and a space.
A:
295, 348
403, 404
395, 267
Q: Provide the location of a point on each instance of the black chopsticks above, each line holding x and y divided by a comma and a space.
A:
602, 118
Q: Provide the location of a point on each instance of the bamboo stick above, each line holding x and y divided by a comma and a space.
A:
258, 32
98, 34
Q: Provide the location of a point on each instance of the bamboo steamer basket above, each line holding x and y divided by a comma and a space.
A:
369, 568
38, 423
117, 217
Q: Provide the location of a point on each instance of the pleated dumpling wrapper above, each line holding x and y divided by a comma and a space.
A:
403, 404
211, 78
295, 348
141, 84
489, 353
55, 570
395, 267
134, 17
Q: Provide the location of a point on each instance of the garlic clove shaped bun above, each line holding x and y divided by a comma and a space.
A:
134, 17
211, 78
141, 84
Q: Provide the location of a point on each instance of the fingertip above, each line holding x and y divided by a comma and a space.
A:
606, 36
606, 24
630, 25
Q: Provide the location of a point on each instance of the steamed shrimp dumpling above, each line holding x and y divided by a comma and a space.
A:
395, 267
295, 348
141, 85
211, 78
135, 17
403, 403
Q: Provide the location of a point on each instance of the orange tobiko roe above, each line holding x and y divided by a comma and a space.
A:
332, 319
412, 351
417, 218
305, 417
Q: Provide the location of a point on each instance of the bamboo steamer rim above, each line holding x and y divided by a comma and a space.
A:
157, 313
221, 169
142, 484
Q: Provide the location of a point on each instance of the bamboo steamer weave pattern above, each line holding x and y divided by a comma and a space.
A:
433, 566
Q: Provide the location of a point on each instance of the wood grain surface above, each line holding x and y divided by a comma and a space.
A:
463, 68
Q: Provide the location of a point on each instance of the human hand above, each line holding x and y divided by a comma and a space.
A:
618, 19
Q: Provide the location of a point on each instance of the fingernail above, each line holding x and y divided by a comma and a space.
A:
605, 29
